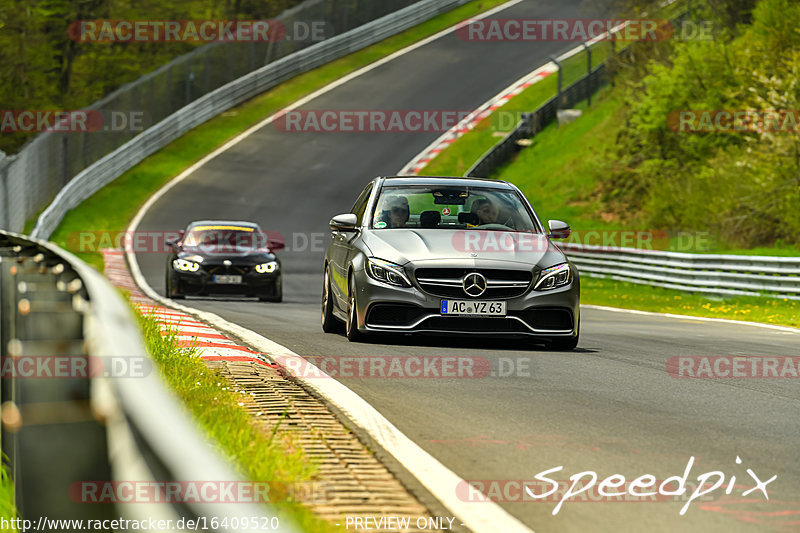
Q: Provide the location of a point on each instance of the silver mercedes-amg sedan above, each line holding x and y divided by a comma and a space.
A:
449, 255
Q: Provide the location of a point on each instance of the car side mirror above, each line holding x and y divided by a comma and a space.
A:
558, 229
344, 222
173, 240
276, 245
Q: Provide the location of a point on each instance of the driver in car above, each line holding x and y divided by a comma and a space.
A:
395, 212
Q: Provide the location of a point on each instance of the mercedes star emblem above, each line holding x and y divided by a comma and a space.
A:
474, 284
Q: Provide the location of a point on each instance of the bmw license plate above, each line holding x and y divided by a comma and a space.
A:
473, 308
228, 279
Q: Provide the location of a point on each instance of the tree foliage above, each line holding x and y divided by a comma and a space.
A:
744, 186
42, 68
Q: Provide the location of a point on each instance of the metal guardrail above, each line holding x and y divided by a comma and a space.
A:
748, 275
60, 431
28, 183
533, 123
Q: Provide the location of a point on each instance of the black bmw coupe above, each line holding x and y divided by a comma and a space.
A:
225, 257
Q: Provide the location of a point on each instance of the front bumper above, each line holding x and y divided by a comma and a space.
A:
542, 314
202, 283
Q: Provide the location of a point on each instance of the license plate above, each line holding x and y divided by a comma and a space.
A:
473, 308
232, 280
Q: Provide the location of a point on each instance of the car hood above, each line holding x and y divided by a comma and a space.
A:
406, 245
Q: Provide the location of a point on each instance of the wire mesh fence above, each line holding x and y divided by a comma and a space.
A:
32, 178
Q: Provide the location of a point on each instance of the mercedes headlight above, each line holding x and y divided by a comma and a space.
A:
266, 268
553, 277
387, 272
186, 266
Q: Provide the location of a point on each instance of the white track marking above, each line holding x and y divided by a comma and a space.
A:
786, 329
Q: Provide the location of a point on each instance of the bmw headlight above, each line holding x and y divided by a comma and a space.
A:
186, 266
554, 277
266, 268
387, 272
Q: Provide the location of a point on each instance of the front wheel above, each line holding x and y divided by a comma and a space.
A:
173, 292
566, 344
330, 324
277, 294
351, 328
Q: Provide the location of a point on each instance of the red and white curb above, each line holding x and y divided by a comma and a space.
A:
422, 159
210, 343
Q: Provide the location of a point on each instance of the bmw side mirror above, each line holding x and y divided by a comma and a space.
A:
172, 240
558, 229
344, 222
276, 245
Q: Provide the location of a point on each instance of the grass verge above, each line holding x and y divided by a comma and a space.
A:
217, 410
7, 510
461, 154
111, 208
611, 293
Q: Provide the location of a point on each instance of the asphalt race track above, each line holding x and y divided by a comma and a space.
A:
609, 407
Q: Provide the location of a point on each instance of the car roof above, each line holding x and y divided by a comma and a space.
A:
447, 181
240, 223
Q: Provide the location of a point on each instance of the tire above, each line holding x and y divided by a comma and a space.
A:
276, 298
351, 327
330, 324
173, 293
565, 344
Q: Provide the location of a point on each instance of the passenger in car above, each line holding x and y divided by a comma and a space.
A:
487, 212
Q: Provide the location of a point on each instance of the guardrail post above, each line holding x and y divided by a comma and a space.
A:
49, 429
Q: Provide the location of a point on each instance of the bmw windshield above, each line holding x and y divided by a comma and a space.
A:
224, 239
438, 207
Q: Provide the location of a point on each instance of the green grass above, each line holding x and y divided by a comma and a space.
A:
557, 173
608, 292
7, 509
218, 412
461, 154
114, 206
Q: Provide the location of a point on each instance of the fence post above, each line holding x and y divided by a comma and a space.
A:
588, 74
555, 60
4, 193
189, 80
